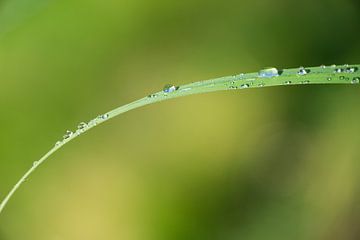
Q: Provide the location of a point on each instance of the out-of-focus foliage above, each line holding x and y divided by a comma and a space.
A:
277, 163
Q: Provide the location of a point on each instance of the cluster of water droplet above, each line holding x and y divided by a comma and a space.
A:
346, 69
82, 127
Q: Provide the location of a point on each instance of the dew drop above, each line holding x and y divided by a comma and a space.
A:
103, 117
82, 126
261, 84
303, 71
58, 143
245, 85
329, 79
323, 66
35, 163
169, 88
152, 96
351, 69
232, 87
68, 134
268, 72
338, 70
287, 82
356, 80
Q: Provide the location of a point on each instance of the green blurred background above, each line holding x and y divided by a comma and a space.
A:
273, 163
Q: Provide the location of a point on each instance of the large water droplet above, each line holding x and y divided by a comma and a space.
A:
268, 72
356, 80
169, 88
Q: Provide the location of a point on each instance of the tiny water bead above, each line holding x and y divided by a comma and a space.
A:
329, 78
356, 80
168, 88
338, 70
68, 134
245, 85
35, 163
58, 143
303, 71
152, 96
287, 82
103, 117
269, 72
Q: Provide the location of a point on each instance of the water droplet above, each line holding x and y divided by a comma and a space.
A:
82, 126
232, 87
306, 82
338, 70
323, 66
58, 143
268, 72
245, 85
103, 117
35, 163
152, 96
68, 134
329, 79
303, 71
287, 82
261, 84
356, 80
351, 69
169, 88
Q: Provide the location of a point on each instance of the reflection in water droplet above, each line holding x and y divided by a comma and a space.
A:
244, 85
338, 70
356, 80
169, 88
268, 72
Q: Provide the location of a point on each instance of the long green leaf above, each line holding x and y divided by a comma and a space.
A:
346, 74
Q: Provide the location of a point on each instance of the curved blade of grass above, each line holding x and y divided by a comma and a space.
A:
347, 74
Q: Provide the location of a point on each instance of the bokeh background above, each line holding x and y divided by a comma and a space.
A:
273, 163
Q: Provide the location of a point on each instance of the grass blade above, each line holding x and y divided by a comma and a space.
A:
346, 74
